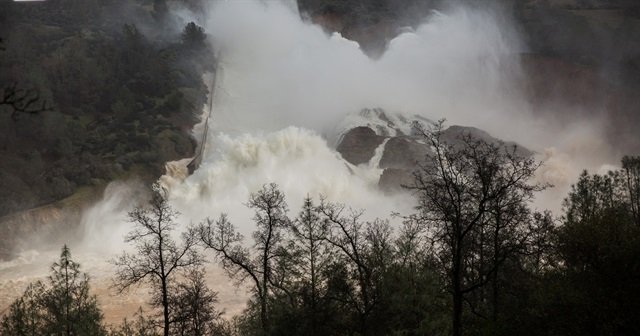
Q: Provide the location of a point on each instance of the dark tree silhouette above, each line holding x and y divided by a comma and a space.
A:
20, 100
23, 101
195, 312
64, 307
193, 35
473, 198
259, 262
159, 258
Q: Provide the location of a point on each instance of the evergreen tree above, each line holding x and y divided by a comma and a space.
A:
26, 315
71, 310
193, 35
597, 279
63, 308
313, 255
139, 326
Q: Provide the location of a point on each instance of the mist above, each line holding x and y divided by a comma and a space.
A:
461, 64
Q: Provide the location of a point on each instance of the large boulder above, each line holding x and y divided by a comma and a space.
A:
403, 153
403, 150
394, 179
359, 144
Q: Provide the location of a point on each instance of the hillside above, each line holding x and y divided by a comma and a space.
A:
123, 81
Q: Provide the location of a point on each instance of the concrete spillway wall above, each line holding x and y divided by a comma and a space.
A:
202, 142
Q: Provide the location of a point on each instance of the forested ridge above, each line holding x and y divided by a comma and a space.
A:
120, 93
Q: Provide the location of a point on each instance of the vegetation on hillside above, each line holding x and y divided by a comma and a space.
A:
119, 93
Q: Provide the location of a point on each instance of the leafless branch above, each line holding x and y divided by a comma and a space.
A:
23, 101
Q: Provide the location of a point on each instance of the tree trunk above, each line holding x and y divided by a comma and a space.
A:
494, 295
163, 282
165, 306
263, 314
494, 287
457, 290
313, 290
67, 299
457, 313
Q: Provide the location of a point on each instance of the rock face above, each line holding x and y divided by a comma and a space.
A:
403, 149
394, 179
359, 144
454, 135
403, 153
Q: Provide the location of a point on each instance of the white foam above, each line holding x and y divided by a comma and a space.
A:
298, 160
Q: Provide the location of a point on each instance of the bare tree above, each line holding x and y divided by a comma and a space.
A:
158, 257
362, 244
196, 315
473, 197
23, 101
312, 255
20, 100
257, 263
631, 171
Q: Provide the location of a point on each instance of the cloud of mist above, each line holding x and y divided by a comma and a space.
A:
298, 160
282, 84
106, 223
462, 64
280, 71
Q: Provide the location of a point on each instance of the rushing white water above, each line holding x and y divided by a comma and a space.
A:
285, 89
298, 160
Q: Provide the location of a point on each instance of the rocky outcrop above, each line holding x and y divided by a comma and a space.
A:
403, 153
403, 149
455, 134
358, 145
394, 179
